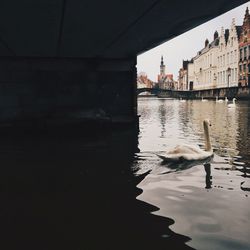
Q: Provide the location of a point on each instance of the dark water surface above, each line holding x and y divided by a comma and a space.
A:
69, 190
209, 204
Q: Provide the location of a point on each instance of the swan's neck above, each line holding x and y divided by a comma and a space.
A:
208, 146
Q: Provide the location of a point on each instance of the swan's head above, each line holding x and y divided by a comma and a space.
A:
207, 123
234, 99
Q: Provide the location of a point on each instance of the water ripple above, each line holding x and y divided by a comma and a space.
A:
209, 203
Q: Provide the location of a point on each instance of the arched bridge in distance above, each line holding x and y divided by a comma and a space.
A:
154, 91
67, 61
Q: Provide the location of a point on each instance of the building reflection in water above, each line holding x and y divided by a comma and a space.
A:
243, 144
166, 112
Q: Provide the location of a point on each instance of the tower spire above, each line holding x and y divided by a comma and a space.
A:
247, 11
162, 67
162, 60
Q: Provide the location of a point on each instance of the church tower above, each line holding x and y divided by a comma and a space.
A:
162, 67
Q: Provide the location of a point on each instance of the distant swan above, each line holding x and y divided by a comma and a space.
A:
217, 100
181, 100
226, 100
232, 105
191, 152
203, 100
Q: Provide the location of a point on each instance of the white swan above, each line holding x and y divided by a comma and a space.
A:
232, 105
203, 100
226, 100
217, 100
191, 152
181, 100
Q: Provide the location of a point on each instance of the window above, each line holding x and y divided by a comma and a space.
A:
245, 52
241, 53
245, 68
235, 74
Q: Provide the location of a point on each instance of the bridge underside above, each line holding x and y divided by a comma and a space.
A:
73, 61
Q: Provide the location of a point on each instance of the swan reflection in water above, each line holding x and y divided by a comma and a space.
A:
180, 166
207, 167
173, 167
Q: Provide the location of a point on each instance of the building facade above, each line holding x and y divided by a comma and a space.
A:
205, 65
183, 76
227, 59
223, 63
143, 81
244, 52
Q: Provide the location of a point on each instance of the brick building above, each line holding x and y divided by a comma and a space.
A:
244, 49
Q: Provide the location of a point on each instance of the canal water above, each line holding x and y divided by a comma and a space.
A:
92, 188
209, 203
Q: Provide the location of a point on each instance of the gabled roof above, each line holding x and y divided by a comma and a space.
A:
214, 43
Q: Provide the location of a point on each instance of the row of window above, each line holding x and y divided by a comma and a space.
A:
223, 60
205, 78
244, 52
208, 77
226, 77
226, 59
222, 77
243, 68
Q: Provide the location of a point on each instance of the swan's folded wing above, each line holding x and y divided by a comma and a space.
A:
185, 152
168, 158
185, 149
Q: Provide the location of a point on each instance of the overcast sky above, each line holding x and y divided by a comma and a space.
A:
186, 46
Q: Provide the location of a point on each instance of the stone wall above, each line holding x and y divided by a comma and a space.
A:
238, 92
66, 90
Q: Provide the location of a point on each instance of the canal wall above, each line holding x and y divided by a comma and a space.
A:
241, 93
